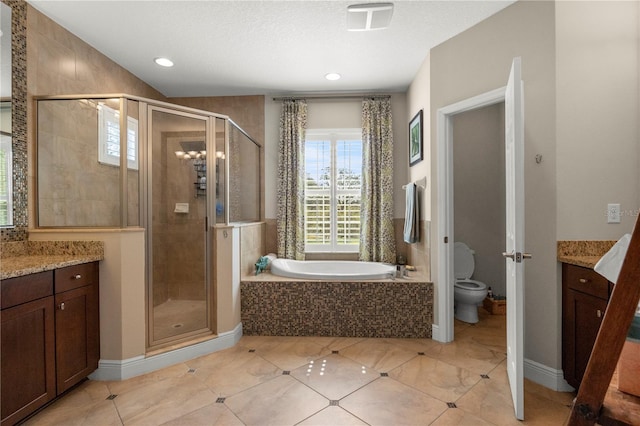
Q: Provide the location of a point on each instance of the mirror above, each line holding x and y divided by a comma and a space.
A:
16, 35
6, 159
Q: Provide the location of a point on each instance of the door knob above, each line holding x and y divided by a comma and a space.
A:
516, 256
61, 306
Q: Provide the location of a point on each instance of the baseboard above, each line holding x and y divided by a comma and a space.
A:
546, 376
435, 333
131, 367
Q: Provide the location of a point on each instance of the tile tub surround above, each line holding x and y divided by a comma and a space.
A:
28, 257
377, 308
582, 253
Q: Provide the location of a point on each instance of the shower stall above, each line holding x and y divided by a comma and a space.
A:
172, 179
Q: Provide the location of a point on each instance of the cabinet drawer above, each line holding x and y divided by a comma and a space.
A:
75, 276
16, 291
585, 280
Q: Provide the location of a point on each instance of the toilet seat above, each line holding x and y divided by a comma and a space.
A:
471, 285
463, 262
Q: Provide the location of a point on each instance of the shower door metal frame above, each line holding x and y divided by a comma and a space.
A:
210, 127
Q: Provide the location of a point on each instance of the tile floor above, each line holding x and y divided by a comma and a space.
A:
323, 381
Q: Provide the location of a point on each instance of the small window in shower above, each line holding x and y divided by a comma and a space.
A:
109, 138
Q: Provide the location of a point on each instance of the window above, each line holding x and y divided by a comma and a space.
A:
6, 188
109, 138
333, 178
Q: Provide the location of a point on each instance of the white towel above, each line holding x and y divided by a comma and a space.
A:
412, 215
610, 264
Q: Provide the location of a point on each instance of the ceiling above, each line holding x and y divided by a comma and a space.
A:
223, 48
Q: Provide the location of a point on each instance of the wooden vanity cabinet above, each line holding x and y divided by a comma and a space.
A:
28, 345
50, 336
77, 324
585, 295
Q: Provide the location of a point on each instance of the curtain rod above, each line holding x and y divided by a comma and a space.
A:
321, 97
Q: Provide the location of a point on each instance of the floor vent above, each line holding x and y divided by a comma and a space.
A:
111, 397
384, 374
334, 402
452, 405
220, 400
485, 376
286, 372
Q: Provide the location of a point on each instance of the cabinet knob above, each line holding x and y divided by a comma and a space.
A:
61, 306
77, 277
599, 313
583, 280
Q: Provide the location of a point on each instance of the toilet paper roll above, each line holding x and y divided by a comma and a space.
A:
610, 264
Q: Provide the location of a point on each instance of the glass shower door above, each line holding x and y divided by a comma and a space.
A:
179, 299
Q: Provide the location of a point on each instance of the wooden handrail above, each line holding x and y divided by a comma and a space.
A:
611, 337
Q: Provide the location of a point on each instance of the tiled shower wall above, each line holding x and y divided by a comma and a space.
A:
252, 247
178, 238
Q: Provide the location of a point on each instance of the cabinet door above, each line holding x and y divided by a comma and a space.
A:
28, 358
77, 335
583, 315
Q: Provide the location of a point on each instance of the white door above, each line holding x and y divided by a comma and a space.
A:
514, 253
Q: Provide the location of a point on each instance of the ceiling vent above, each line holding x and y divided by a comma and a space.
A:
370, 16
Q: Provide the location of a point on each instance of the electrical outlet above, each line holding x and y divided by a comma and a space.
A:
613, 213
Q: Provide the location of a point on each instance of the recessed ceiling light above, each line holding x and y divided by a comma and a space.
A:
333, 76
163, 62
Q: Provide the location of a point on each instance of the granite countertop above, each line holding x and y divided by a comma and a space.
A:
30, 257
582, 253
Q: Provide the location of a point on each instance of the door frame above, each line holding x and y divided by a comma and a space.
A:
443, 331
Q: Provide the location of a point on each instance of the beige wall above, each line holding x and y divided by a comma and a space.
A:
479, 190
476, 62
598, 142
418, 96
587, 68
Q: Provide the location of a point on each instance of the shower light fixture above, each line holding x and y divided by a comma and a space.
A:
191, 155
163, 62
332, 76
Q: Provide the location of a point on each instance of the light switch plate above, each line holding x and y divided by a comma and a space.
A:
613, 213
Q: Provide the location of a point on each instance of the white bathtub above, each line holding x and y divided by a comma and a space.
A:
332, 269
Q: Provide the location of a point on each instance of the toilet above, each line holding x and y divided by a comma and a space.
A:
467, 293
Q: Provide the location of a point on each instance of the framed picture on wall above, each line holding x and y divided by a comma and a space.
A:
415, 139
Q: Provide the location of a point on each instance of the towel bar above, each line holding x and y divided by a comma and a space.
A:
422, 183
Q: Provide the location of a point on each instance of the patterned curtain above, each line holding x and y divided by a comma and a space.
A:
290, 221
377, 240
